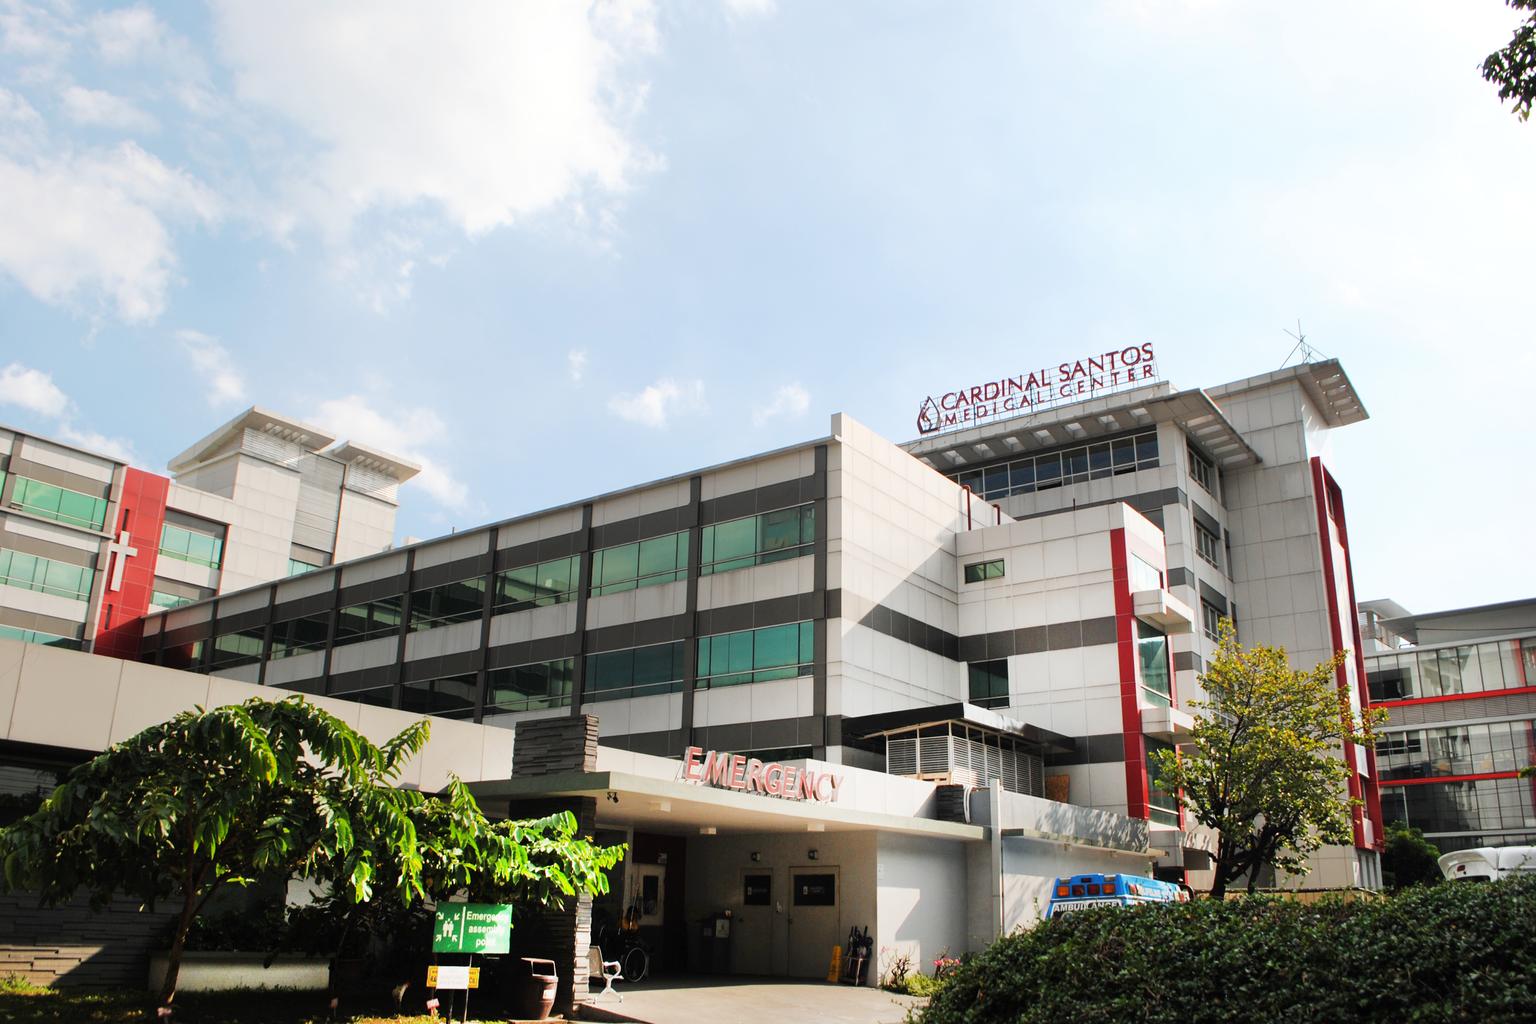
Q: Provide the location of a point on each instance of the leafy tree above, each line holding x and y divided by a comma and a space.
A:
1409, 858
274, 790
1263, 766
1513, 69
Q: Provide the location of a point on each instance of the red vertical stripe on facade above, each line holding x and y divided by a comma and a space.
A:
141, 514
1137, 799
1364, 790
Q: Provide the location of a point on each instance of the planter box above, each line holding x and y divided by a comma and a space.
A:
220, 972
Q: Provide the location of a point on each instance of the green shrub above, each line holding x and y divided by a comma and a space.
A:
1449, 953
923, 984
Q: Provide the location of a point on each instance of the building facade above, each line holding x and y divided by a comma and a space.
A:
1235, 478
89, 545
1460, 689
826, 686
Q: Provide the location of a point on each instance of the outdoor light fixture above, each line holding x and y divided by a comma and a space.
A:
816, 826
707, 830
756, 856
613, 797
812, 854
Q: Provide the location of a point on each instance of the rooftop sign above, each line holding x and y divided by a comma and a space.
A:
1038, 389
749, 775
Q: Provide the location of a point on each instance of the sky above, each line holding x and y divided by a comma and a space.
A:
548, 250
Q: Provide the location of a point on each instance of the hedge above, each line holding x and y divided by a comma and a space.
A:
1456, 952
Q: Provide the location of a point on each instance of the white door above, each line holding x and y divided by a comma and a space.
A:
815, 924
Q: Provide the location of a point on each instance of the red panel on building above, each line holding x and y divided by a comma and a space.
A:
1138, 802
130, 568
1344, 624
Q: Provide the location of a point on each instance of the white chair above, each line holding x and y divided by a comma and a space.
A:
608, 970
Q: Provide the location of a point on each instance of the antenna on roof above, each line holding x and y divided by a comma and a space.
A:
1308, 353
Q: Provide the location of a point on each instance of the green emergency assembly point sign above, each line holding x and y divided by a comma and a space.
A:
472, 928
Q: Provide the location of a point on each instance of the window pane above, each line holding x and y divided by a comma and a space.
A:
807, 524
780, 530
995, 482
1146, 450
776, 646
1492, 670
1098, 460
739, 652
659, 555
1450, 671
1021, 476
736, 539
1047, 471
1471, 670
1123, 452
1077, 464
620, 563
807, 642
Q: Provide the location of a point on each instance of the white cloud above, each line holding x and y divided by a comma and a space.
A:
224, 382
789, 401
95, 222
117, 448
94, 107
657, 403
576, 359
744, 9
128, 34
485, 111
33, 390
399, 431
16, 113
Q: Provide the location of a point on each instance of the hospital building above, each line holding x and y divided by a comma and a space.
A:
847, 683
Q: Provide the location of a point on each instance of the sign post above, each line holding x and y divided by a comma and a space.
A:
468, 928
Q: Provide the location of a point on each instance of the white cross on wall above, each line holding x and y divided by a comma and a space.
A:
122, 549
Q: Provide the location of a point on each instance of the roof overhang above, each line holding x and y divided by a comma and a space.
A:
1325, 383
866, 726
265, 421
1193, 411
392, 466
683, 808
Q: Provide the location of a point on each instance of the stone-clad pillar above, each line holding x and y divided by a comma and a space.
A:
554, 746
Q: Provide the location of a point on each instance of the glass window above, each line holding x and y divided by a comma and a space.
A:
1207, 544
1164, 806
1075, 465
970, 478
198, 548
1123, 455
240, 647
1021, 476
994, 482
358, 622
978, 572
1145, 575
450, 697
1210, 620
1202, 470
37, 636
989, 683
537, 586
545, 684
1450, 671
637, 672
1429, 674
1146, 450
646, 564
1047, 472
1470, 670
756, 540
1386, 680
459, 601
46, 576
1152, 655
1490, 666
295, 636
298, 568
59, 503
756, 655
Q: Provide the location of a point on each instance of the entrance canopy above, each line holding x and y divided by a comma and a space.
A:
645, 799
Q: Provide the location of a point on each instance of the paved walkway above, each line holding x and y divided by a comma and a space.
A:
741, 1000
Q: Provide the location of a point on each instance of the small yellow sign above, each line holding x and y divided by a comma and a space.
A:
453, 977
835, 968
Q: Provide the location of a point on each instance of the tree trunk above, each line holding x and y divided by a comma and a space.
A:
178, 946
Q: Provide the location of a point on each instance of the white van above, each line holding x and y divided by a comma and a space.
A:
1488, 863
